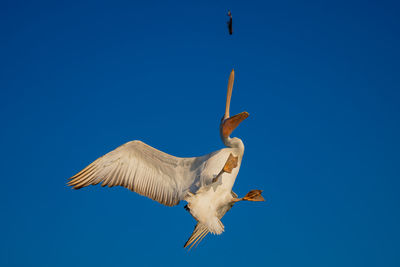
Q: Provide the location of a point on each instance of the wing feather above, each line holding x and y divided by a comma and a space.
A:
145, 170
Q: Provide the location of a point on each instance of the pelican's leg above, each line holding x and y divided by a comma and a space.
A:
217, 177
230, 164
253, 195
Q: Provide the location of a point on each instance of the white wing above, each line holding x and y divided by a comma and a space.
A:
147, 171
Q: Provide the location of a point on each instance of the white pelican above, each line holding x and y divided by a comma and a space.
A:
204, 182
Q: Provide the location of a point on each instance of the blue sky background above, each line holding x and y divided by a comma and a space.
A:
320, 80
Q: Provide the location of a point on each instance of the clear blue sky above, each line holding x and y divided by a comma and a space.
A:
320, 80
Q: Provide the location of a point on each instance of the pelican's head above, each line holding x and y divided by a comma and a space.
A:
228, 124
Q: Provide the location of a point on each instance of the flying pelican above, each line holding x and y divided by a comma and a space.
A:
205, 182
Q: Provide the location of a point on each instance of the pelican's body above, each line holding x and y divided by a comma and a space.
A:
209, 203
204, 182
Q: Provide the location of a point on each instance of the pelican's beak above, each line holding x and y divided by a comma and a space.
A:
228, 123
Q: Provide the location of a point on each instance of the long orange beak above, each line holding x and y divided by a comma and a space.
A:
230, 123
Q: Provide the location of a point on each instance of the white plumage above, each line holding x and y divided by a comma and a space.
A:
204, 182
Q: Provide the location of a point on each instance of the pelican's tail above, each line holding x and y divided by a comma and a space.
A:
254, 195
200, 231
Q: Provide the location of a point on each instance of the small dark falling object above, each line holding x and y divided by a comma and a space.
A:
230, 22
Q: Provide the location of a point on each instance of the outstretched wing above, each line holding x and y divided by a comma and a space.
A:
144, 170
